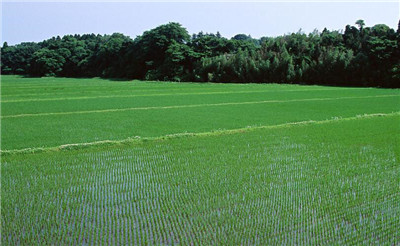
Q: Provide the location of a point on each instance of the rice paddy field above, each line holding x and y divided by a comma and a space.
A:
101, 162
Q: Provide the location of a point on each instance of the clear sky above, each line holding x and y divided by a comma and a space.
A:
36, 21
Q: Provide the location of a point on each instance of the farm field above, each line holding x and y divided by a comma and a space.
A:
91, 161
49, 112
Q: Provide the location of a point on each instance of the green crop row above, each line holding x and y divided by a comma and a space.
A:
174, 98
314, 184
49, 112
54, 130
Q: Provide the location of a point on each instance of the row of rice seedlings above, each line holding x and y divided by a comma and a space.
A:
230, 192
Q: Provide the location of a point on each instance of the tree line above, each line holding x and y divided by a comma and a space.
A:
357, 56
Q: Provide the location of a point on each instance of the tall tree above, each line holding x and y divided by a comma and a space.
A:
360, 24
47, 62
361, 56
147, 52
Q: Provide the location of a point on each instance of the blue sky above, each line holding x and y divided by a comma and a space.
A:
36, 21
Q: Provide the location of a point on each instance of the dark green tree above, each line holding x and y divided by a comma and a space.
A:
360, 24
147, 53
47, 62
16, 59
361, 56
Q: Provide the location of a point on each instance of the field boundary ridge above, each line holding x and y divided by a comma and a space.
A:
191, 106
155, 94
138, 139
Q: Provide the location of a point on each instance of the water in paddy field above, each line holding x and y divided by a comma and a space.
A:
253, 188
93, 162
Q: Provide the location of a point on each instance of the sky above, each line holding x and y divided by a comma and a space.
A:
37, 21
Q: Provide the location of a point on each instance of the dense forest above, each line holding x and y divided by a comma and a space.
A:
357, 56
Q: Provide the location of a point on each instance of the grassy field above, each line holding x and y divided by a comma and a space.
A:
245, 164
49, 112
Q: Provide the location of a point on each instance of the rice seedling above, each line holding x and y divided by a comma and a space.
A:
334, 182
90, 161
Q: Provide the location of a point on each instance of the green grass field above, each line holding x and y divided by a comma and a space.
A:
49, 112
91, 161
